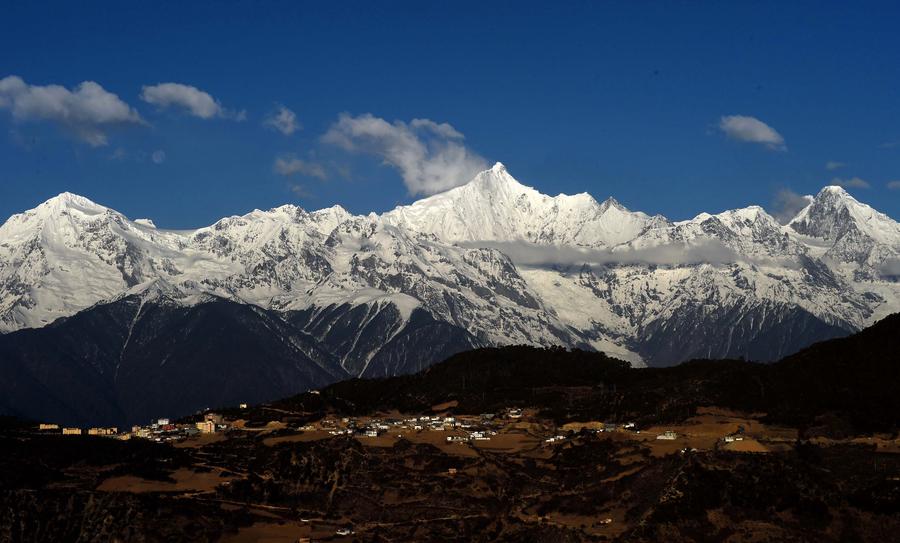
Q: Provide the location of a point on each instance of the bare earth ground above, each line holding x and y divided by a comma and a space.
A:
280, 484
186, 480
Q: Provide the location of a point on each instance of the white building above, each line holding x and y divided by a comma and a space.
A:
206, 427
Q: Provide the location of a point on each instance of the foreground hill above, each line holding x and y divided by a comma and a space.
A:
154, 354
842, 386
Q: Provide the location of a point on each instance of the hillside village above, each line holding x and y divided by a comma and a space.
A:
513, 429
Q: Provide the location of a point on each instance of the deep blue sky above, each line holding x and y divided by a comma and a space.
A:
621, 99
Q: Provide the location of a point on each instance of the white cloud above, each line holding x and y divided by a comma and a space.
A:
788, 203
290, 165
832, 165
88, 110
894, 185
853, 182
158, 156
195, 101
752, 130
442, 129
300, 191
284, 120
430, 156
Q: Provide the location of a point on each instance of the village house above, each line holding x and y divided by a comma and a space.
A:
668, 434
48, 426
71, 431
206, 427
514, 413
215, 418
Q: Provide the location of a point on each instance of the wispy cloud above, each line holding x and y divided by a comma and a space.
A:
751, 130
188, 98
283, 120
890, 144
890, 266
290, 165
893, 185
87, 111
430, 156
158, 156
787, 204
832, 165
300, 191
709, 251
853, 182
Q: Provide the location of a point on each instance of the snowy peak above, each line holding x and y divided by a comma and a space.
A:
835, 191
750, 215
68, 200
60, 220
52, 209
834, 214
494, 206
495, 185
611, 203
329, 218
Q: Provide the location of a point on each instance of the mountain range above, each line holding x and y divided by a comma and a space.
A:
95, 305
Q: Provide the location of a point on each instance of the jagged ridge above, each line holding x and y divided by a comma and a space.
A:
492, 257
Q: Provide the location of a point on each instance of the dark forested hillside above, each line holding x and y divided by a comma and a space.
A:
852, 380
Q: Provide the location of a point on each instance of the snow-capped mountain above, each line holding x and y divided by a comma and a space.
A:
841, 229
493, 259
496, 207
